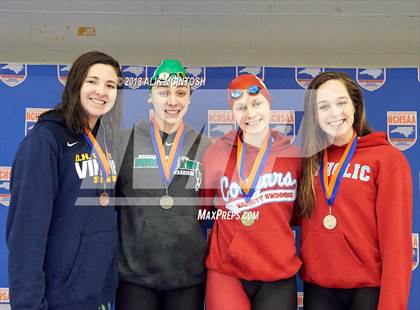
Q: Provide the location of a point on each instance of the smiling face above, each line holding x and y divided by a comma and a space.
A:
335, 111
170, 105
98, 92
252, 114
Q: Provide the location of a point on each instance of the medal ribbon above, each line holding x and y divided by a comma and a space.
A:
166, 167
248, 187
331, 188
100, 155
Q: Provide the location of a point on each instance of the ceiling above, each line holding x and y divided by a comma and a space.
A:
203, 32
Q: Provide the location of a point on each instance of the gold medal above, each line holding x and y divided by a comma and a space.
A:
104, 199
330, 221
247, 219
166, 202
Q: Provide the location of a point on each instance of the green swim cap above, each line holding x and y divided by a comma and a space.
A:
168, 68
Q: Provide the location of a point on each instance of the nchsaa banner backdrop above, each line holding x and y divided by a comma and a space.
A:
392, 97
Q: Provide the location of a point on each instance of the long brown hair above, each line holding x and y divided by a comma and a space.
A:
314, 139
71, 108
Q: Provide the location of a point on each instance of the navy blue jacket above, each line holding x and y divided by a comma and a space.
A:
61, 255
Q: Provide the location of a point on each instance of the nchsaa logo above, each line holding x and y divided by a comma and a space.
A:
133, 76
371, 78
415, 250
402, 128
31, 117
284, 122
258, 71
4, 295
220, 122
199, 74
63, 73
304, 76
5, 186
12, 74
300, 300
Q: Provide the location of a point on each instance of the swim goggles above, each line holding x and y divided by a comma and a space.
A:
163, 76
251, 90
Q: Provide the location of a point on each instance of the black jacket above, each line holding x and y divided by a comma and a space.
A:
161, 248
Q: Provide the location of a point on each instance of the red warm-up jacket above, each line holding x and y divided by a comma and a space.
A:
372, 242
266, 250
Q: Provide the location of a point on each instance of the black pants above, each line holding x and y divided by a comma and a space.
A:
321, 298
276, 295
133, 297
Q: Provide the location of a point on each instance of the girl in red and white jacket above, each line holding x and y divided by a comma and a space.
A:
356, 198
251, 177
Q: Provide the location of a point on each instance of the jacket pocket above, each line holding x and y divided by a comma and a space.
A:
329, 260
268, 254
60, 259
171, 246
94, 263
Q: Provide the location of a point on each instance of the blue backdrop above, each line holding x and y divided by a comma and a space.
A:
392, 98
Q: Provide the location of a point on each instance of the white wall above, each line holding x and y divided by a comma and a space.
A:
204, 32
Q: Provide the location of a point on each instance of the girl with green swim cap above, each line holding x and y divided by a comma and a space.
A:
162, 247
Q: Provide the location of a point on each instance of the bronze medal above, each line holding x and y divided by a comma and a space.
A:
104, 199
330, 221
246, 219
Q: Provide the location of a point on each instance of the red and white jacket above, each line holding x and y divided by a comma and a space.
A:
266, 250
371, 244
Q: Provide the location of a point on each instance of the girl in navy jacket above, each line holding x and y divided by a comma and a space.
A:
61, 236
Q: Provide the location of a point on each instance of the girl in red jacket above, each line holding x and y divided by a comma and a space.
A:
356, 197
252, 176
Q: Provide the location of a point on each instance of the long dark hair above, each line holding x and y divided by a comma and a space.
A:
71, 108
314, 139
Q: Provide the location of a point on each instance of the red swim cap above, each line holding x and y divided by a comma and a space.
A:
242, 83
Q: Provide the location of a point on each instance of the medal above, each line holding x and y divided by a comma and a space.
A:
166, 167
166, 202
248, 186
330, 221
246, 219
104, 165
330, 188
104, 199
100, 155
